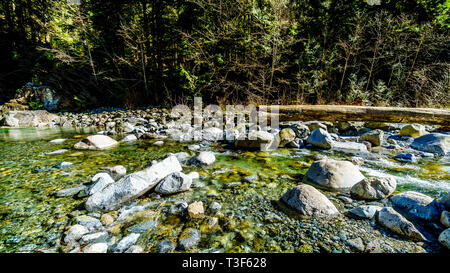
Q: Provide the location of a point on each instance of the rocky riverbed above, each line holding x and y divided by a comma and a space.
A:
114, 180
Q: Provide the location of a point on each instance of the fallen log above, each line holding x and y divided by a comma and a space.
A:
363, 113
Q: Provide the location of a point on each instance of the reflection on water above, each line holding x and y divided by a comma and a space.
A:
19, 134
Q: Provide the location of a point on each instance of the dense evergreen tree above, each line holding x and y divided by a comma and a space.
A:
154, 52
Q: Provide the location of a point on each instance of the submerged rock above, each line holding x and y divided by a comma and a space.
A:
394, 221
446, 201
96, 142
433, 143
189, 238
350, 147
309, 201
374, 188
196, 210
320, 138
165, 246
126, 243
333, 174
69, 191
132, 186
418, 205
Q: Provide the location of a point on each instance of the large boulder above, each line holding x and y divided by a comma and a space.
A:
286, 135
173, 183
418, 205
132, 185
38, 118
374, 188
258, 140
433, 143
413, 130
320, 138
394, 221
96, 142
375, 137
308, 201
333, 174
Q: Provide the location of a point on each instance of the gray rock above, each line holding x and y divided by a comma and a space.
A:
63, 165
214, 207
75, 233
444, 238
349, 147
193, 175
69, 191
406, 157
394, 221
126, 243
56, 152
96, 248
143, 227
116, 172
333, 174
433, 143
132, 186
100, 181
286, 135
413, 130
96, 142
165, 246
446, 201
320, 138
356, 244
57, 141
418, 205
35, 118
301, 131
158, 143
366, 212
174, 183
135, 249
179, 208
309, 201
191, 240
98, 237
445, 218
255, 140
375, 137
88, 221
203, 159
374, 188
129, 138
212, 134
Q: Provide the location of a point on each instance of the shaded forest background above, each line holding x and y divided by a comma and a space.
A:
153, 52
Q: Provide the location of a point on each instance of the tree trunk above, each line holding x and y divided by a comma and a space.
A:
363, 113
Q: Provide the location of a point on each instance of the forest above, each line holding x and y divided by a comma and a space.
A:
152, 52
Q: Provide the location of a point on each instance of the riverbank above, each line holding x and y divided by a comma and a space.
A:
46, 186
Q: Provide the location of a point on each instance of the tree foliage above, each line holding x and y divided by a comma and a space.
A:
154, 52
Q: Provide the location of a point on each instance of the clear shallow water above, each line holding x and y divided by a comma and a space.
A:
31, 215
